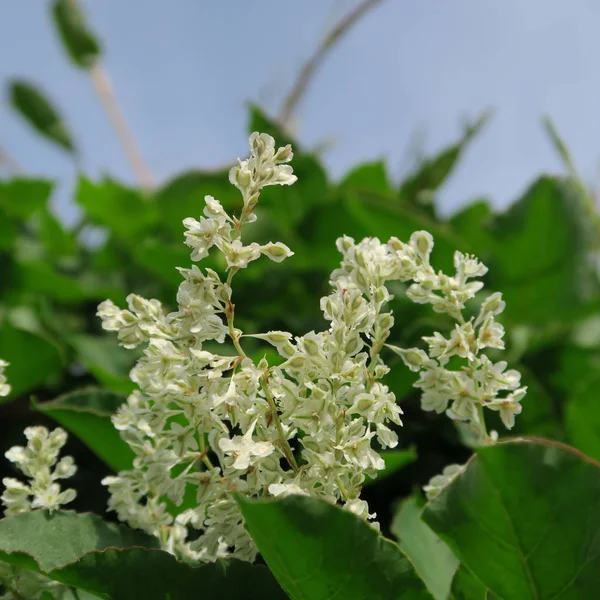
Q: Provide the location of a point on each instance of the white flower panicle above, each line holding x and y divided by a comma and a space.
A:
204, 424
477, 383
4, 386
39, 462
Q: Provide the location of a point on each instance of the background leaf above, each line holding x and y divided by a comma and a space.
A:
524, 518
433, 560
32, 104
74, 32
86, 413
33, 359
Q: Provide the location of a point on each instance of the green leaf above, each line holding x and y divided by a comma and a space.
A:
524, 518
126, 212
78, 39
21, 198
433, 172
42, 278
371, 177
86, 413
44, 542
465, 586
32, 104
57, 241
108, 362
472, 224
433, 560
540, 254
117, 563
318, 551
33, 359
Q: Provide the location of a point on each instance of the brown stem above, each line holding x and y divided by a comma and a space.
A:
104, 90
311, 66
10, 162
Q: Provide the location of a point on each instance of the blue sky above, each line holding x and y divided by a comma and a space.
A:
184, 70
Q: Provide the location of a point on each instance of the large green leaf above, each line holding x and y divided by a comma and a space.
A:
433, 560
75, 34
318, 551
465, 586
21, 198
524, 517
32, 104
86, 413
117, 563
33, 359
540, 254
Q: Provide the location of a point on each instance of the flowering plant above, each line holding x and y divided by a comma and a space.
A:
216, 435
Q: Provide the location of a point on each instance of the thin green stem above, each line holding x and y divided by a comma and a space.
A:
287, 449
343, 491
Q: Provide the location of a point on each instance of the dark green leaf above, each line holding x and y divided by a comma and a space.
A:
44, 542
318, 551
117, 563
33, 359
79, 41
540, 258
40, 113
86, 413
465, 586
524, 518
433, 560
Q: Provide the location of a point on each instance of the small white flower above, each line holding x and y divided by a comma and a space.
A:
244, 449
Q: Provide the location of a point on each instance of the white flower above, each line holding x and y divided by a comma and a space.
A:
509, 407
39, 462
276, 251
244, 449
440, 482
238, 255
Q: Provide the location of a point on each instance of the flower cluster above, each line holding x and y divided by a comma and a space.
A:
4, 387
472, 382
39, 462
205, 423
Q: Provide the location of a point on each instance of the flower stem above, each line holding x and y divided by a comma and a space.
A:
287, 449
